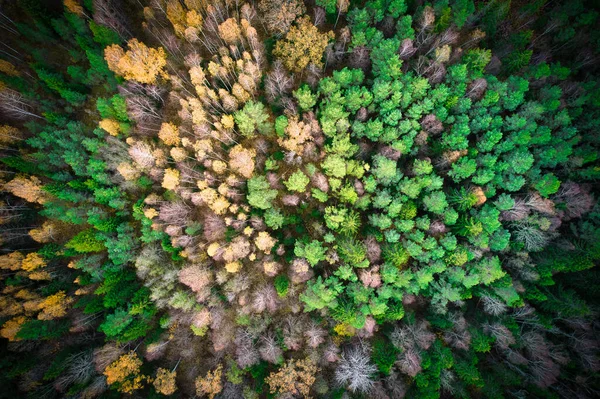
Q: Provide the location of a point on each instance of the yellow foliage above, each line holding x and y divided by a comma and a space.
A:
220, 205
11, 328
344, 330
26, 294
8, 68
227, 121
11, 261
297, 134
169, 134
442, 54
265, 242
240, 94
197, 76
210, 385
198, 112
39, 275
73, 6
271, 268
216, 202
241, 160
54, 306
140, 63
176, 15
212, 249
124, 372
32, 306
164, 383
128, 171
28, 188
303, 45
8, 134
9, 307
178, 154
193, 19
233, 267
208, 195
219, 167
230, 31
150, 213
171, 179
32, 262
111, 126
295, 378
49, 231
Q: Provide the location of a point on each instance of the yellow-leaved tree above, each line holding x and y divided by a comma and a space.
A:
140, 63
302, 45
125, 373
210, 385
164, 383
295, 378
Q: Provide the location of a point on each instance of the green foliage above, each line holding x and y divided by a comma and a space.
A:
274, 218
548, 184
396, 255
435, 202
313, 251
85, 241
353, 252
282, 285
384, 355
260, 195
34, 330
252, 118
297, 182
306, 99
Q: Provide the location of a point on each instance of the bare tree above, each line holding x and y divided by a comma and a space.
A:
269, 349
13, 105
278, 82
355, 370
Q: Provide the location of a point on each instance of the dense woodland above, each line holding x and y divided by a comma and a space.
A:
299, 199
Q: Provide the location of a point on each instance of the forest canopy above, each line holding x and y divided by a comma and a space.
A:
299, 199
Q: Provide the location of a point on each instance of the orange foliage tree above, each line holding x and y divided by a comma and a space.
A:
54, 306
124, 373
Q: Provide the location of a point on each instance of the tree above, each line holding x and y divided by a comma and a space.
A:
139, 63
28, 188
211, 384
54, 306
297, 182
253, 117
169, 134
296, 377
355, 370
171, 179
260, 195
278, 15
124, 373
313, 251
303, 45
164, 383
241, 160
436, 202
